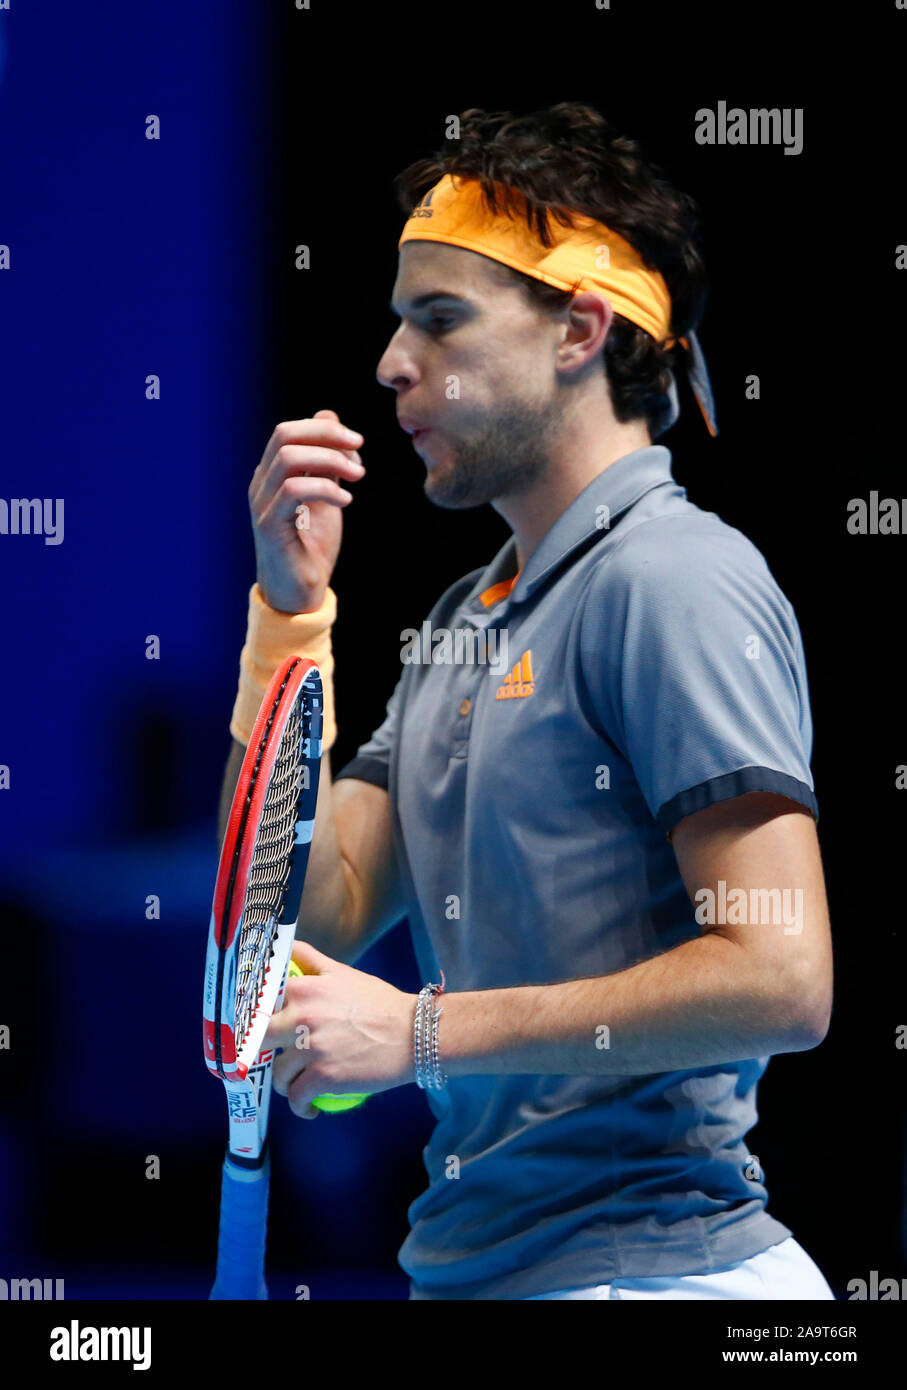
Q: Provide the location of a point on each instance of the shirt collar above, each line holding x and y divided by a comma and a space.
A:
617, 488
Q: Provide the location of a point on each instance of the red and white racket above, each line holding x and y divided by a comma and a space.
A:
259, 885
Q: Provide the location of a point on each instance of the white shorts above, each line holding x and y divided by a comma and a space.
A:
782, 1271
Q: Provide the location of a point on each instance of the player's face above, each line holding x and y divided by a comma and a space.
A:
473, 366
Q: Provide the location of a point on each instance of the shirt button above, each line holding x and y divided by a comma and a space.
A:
465, 706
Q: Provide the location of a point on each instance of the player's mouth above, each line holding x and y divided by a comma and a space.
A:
414, 428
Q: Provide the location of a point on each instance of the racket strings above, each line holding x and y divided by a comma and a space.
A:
269, 874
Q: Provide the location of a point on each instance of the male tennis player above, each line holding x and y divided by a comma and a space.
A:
607, 851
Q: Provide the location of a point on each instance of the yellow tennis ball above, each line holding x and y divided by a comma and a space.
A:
329, 1104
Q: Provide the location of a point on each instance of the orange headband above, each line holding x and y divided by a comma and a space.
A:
587, 256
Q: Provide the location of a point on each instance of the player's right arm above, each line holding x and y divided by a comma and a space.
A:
353, 891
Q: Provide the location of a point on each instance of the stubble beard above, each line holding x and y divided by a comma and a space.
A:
505, 458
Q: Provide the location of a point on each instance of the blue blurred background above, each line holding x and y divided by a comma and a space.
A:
131, 258
173, 258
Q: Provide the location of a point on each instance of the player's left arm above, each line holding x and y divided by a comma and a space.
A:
737, 991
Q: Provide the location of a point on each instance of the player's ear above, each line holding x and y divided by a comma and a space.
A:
589, 318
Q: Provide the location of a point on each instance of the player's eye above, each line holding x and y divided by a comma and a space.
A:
438, 323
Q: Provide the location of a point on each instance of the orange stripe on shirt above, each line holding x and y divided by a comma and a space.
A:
498, 591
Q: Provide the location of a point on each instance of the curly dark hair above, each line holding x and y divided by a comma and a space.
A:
569, 159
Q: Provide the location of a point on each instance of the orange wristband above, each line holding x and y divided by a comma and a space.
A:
271, 637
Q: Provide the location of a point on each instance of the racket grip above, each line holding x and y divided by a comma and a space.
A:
243, 1232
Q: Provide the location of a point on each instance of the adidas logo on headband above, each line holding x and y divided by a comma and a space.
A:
423, 209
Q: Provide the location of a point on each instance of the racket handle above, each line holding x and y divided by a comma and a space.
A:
243, 1232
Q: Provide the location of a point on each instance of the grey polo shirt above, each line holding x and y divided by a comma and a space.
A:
644, 665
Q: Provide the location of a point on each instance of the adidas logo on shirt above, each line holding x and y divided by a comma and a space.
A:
520, 681
423, 208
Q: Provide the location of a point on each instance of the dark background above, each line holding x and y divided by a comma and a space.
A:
175, 257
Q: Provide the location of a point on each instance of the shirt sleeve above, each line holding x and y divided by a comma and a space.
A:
694, 665
372, 759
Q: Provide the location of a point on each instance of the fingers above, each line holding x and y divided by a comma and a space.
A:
295, 1070
288, 1076
292, 1073
318, 445
311, 961
321, 429
295, 461
300, 1095
285, 1070
293, 491
285, 1028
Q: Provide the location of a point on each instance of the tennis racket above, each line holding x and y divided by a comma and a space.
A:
259, 885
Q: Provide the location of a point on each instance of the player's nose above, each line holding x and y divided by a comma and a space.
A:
396, 367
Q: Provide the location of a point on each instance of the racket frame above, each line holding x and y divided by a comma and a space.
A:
246, 1070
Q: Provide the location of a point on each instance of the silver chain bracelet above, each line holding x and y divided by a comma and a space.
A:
429, 1076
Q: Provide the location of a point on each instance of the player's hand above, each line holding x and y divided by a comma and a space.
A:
342, 1031
296, 499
